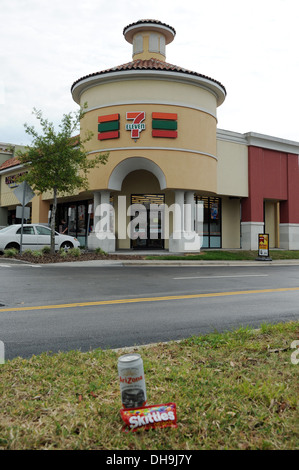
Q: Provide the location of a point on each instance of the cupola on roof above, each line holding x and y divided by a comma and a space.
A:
149, 38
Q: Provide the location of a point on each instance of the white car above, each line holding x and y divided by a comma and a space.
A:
35, 237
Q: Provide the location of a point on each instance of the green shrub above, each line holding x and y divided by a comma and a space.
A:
11, 252
74, 252
37, 253
46, 250
99, 251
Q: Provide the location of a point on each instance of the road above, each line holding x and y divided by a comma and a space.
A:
59, 308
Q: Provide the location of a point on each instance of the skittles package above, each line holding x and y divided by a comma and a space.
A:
149, 417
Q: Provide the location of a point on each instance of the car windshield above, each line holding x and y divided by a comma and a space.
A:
5, 229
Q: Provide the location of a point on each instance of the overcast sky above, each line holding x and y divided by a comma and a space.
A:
251, 47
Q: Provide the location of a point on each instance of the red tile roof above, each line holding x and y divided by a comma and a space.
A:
149, 22
150, 64
10, 163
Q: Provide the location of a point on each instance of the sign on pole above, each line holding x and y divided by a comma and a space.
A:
20, 211
24, 194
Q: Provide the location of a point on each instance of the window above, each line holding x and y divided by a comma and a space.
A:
26, 231
81, 219
43, 230
138, 44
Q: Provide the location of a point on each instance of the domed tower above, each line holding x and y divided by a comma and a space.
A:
158, 123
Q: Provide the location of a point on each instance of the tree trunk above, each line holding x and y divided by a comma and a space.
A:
53, 218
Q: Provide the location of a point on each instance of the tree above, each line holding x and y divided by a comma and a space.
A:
57, 160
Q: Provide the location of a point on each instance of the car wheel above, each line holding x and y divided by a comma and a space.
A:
66, 245
13, 245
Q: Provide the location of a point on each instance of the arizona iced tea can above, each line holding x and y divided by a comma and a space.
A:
131, 380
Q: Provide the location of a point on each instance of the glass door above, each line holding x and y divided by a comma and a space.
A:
147, 234
211, 227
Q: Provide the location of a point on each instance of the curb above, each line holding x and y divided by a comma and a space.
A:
151, 345
13, 260
208, 263
188, 263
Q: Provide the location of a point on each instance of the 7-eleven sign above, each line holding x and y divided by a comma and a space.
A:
137, 125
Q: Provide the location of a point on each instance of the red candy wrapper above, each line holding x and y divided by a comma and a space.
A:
148, 417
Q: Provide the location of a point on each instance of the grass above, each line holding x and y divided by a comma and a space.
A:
234, 255
209, 255
44, 254
235, 390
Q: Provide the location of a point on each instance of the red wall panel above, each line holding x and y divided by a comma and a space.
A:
289, 209
272, 175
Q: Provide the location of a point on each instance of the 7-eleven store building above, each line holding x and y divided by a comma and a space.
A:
158, 121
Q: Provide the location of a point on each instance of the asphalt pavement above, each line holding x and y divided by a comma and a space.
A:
121, 303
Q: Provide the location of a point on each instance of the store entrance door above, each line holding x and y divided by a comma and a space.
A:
147, 233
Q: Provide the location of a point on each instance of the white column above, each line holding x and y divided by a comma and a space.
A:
96, 203
184, 238
102, 237
189, 212
289, 236
178, 225
249, 234
105, 199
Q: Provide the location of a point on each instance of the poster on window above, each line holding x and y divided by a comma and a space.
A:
214, 211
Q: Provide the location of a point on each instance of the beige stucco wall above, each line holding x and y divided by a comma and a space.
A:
40, 210
232, 168
196, 129
188, 162
232, 183
272, 222
7, 196
149, 91
230, 223
177, 170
